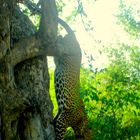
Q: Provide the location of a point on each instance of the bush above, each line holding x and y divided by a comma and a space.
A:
112, 97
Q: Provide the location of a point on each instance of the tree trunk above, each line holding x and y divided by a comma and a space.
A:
25, 105
36, 123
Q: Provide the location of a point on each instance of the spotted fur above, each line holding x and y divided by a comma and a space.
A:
67, 81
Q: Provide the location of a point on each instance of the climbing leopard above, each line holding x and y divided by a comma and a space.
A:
71, 111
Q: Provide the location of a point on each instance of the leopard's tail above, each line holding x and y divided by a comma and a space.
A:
66, 26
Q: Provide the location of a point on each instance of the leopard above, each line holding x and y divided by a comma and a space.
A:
71, 108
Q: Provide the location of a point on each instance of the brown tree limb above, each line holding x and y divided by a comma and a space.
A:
48, 23
34, 8
28, 48
25, 49
42, 44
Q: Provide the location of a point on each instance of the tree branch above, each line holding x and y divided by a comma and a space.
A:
48, 24
28, 48
25, 49
34, 8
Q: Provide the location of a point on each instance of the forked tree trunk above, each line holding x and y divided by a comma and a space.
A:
25, 105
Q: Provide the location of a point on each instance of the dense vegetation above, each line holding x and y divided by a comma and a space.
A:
112, 97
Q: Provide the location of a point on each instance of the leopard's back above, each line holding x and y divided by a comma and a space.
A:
67, 80
71, 110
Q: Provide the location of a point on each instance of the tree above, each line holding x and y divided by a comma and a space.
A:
128, 17
25, 105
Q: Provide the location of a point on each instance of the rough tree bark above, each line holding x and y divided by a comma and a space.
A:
25, 105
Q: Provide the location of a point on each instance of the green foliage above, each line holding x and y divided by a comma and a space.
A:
60, 5
129, 17
112, 96
52, 92
33, 17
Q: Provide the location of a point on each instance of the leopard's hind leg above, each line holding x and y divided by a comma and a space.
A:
82, 132
60, 125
